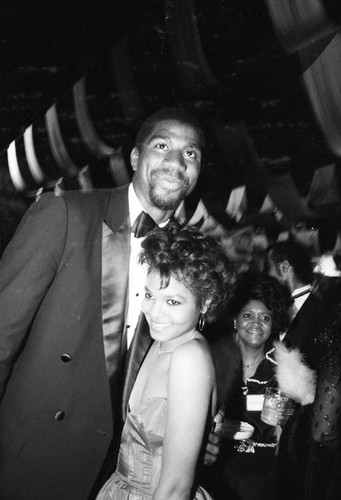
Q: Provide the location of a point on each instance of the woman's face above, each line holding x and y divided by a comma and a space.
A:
171, 312
253, 324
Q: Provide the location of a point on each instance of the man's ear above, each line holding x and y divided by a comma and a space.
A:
134, 158
284, 267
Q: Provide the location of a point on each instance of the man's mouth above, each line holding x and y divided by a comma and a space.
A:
172, 180
169, 183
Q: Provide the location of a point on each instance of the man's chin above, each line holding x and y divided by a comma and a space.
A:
167, 201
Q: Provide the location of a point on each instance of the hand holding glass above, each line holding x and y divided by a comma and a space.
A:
277, 407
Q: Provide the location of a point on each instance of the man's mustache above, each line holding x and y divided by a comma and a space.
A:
171, 172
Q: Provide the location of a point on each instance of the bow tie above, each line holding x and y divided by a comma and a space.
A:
142, 225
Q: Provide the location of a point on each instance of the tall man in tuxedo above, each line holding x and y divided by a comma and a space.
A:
289, 262
69, 305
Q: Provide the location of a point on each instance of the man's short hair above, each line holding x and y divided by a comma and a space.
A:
179, 114
296, 255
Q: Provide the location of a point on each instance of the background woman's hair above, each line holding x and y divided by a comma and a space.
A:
197, 260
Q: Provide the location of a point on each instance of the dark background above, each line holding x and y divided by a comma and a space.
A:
47, 45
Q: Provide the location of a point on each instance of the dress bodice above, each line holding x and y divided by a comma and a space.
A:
140, 457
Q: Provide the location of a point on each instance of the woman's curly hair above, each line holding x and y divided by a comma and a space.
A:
266, 289
193, 258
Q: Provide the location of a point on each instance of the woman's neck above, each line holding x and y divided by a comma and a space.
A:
251, 359
251, 356
172, 344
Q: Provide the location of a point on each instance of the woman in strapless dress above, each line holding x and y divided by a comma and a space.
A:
173, 401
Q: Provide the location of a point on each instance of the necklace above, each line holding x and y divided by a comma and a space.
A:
163, 351
252, 364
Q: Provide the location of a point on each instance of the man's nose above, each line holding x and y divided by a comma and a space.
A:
175, 158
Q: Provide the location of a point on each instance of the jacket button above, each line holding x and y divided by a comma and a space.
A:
60, 415
66, 357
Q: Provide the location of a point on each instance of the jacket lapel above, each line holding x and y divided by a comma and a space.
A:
115, 268
138, 349
301, 324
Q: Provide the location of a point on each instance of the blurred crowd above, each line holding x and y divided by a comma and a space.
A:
283, 330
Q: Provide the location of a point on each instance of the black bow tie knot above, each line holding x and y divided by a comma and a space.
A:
142, 225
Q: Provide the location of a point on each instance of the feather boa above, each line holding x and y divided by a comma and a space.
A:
293, 376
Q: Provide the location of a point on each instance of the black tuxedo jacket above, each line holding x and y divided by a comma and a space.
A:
63, 283
308, 322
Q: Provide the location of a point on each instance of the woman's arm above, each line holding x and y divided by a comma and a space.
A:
191, 385
325, 425
326, 419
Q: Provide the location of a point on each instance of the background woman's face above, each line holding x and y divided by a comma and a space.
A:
254, 324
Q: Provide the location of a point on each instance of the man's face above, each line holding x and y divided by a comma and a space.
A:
167, 165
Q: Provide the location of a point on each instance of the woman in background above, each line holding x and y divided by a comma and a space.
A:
173, 401
245, 469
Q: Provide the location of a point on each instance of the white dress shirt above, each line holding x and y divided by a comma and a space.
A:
137, 273
299, 295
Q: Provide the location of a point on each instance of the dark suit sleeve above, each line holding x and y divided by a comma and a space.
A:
27, 268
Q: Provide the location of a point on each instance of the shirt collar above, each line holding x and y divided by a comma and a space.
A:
301, 291
135, 207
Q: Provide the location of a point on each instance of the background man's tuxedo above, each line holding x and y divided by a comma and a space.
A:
308, 322
295, 441
62, 290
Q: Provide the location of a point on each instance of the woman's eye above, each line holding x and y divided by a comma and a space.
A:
148, 295
247, 315
266, 318
172, 302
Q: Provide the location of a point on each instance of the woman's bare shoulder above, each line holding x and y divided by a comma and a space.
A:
193, 354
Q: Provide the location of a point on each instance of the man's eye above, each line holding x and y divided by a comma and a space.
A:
191, 154
161, 145
148, 295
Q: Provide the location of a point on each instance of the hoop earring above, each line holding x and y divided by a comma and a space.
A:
201, 322
235, 331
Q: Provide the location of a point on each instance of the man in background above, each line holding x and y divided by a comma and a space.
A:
289, 262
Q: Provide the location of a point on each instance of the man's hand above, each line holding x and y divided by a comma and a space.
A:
212, 449
213, 444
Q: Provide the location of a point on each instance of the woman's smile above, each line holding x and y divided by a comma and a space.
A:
172, 311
